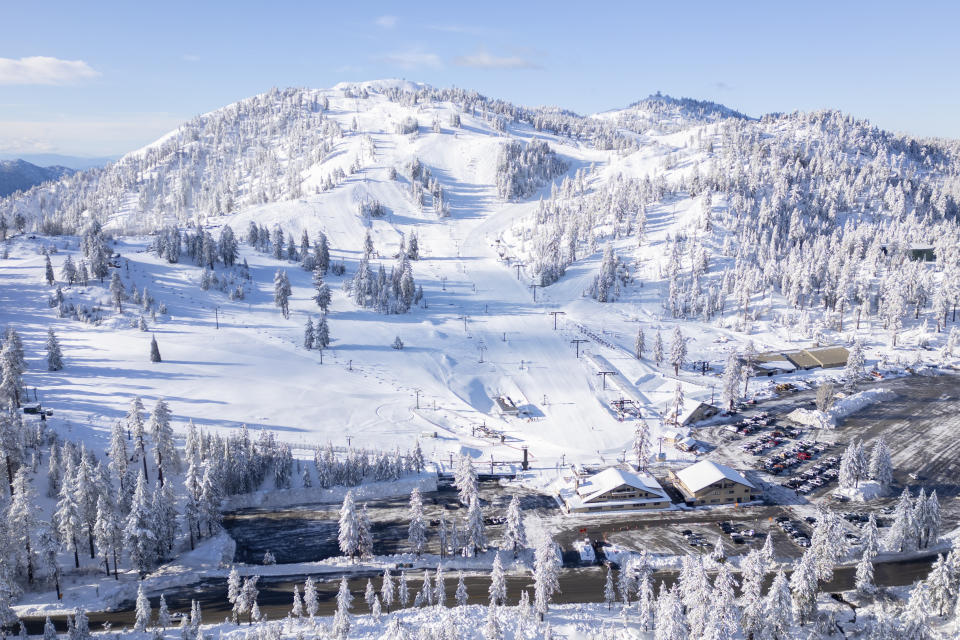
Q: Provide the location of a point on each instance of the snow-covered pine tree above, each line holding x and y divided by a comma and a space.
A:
54, 354
321, 338
803, 588
417, 530
514, 533
609, 593
465, 479
143, 610
855, 368
546, 574
881, 464
308, 334
439, 588
916, 617
863, 579
349, 527
281, 292
108, 534
165, 451
117, 291
498, 582
163, 614
476, 530
138, 531
403, 590
366, 535
154, 350
678, 350
777, 606
68, 517
904, 532
639, 345
723, 621
311, 600
670, 622
658, 349
642, 447
730, 383
322, 296
21, 523
461, 594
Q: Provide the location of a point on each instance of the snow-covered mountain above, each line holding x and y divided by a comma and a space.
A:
20, 175
666, 216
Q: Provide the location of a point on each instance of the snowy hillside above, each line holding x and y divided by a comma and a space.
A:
668, 216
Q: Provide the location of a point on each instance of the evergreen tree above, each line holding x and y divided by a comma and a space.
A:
68, 516
417, 530
498, 582
21, 522
322, 296
387, 589
855, 368
678, 350
141, 539
461, 593
723, 620
609, 593
403, 591
475, 528
281, 292
730, 383
164, 452
639, 345
308, 334
297, 609
670, 622
863, 579
144, 612
916, 617
108, 534
776, 607
321, 338
349, 531
163, 614
234, 587
154, 350
803, 589
465, 479
311, 600
514, 533
117, 291
54, 355
658, 349
48, 271
904, 532
341, 619
366, 535
439, 588
68, 272
546, 574
881, 464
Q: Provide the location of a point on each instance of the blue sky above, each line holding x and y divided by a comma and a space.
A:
97, 78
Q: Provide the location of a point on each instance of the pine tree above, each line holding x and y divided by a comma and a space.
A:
863, 579
321, 339
349, 530
163, 614
117, 291
308, 334
68, 517
281, 292
904, 531
234, 588
855, 368
730, 383
498, 582
387, 589
609, 593
678, 350
247, 599
639, 345
322, 296
143, 610
138, 532
514, 533
461, 593
658, 349
642, 447
54, 355
21, 522
49, 631
881, 464
777, 606
723, 620
751, 593
916, 617
403, 591
341, 619
417, 530
164, 452
465, 479
670, 622
154, 350
439, 588
48, 271
476, 531
108, 534
546, 574
803, 589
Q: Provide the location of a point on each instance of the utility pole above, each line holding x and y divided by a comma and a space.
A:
417, 391
216, 315
518, 265
604, 374
578, 342
534, 287
464, 317
555, 314
481, 348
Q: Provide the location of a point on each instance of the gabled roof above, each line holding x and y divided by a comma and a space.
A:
706, 472
610, 479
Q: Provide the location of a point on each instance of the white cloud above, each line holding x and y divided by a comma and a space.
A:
412, 59
387, 22
44, 70
484, 60
111, 135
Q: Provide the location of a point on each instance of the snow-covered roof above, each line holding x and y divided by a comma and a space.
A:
706, 472
610, 479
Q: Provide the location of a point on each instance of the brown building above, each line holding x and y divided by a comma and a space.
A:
707, 482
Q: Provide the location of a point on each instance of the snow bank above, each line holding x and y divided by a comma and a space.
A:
840, 410
315, 495
867, 490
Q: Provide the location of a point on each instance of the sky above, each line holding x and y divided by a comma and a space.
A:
106, 77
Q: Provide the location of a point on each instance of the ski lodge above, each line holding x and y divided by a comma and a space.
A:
773, 362
615, 489
708, 482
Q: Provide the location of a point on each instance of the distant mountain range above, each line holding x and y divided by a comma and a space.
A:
78, 163
20, 175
